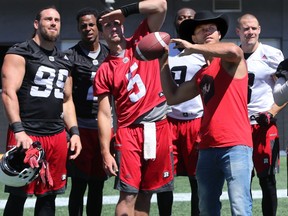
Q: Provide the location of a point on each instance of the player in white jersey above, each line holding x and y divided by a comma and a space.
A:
183, 68
262, 61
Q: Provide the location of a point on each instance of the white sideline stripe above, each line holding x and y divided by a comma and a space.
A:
178, 197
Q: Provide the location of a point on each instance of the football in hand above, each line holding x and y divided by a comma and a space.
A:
152, 46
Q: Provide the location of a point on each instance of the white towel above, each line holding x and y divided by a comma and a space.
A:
149, 141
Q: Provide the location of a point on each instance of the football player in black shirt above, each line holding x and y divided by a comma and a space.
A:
37, 96
87, 169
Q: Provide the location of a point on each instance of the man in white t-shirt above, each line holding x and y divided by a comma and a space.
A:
262, 61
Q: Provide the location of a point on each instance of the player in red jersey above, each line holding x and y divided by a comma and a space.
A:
262, 61
37, 95
225, 148
86, 170
143, 149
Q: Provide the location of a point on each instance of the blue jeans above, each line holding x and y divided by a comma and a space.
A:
214, 166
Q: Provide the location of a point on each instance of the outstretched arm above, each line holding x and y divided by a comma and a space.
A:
232, 55
229, 52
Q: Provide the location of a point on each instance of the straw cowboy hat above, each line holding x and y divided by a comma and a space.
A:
187, 27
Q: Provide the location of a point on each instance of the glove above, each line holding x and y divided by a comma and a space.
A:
31, 157
282, 73
45, 174
264, 119
282, 70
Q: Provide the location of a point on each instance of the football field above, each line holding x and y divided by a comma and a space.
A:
181, 205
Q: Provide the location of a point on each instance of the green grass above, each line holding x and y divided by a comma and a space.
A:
180, 208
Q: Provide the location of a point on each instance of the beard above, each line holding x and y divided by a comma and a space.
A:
48, 37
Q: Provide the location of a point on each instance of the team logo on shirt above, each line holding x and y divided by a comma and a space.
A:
95, 62
125, 60
207, 88
63, 177
264, 57
166, 174
51, 58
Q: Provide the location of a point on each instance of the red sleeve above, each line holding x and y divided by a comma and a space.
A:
103, 80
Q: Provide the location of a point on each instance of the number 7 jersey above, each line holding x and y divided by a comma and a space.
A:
42, 91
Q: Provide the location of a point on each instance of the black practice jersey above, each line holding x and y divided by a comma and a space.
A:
41, 93
83, 73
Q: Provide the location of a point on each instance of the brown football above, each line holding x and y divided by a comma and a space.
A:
152, 46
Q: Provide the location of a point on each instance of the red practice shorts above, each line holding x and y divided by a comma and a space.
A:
89, 164
55, 148
137, 174
185, 145
265, 149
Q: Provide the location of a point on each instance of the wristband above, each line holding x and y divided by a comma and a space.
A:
270, 114
74, 131
130, 9
17, 127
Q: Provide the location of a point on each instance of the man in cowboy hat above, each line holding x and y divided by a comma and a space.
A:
225, 149
185, 121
